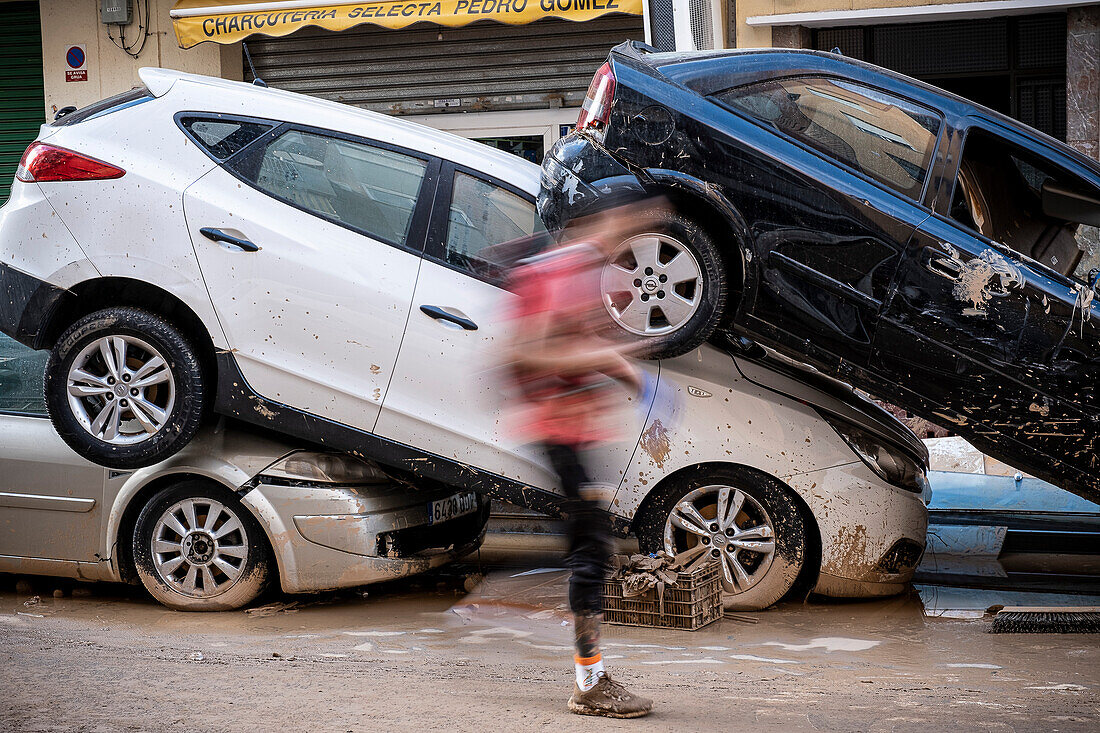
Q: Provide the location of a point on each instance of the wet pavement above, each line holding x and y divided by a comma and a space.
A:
425, 654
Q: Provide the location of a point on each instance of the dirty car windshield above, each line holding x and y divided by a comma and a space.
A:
880, 136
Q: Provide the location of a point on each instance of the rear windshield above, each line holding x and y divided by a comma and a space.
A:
137, 95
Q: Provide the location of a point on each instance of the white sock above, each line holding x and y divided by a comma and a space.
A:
588, 671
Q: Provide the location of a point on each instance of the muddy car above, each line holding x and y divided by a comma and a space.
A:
234, 513
934, 252
330, 274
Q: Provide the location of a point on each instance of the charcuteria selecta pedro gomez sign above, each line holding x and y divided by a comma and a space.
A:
197, 21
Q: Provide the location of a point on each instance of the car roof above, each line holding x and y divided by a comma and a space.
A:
212, 94
707, 72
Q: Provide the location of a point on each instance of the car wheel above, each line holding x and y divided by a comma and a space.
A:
665, 284
197, 548
124, 388
748, 520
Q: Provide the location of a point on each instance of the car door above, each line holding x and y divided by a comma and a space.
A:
830, 198
447, 394
309, 243
51, 499
988, 321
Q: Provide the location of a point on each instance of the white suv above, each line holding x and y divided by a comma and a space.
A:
199, 245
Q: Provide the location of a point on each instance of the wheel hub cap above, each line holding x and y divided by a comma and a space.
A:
199, 547
121, 390
729, 525
651, 284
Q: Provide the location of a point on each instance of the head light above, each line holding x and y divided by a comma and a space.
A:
890, 462
324, 468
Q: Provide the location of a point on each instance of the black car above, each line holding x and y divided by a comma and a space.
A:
929, 250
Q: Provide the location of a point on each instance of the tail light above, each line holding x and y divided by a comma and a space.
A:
596, 110
44, 162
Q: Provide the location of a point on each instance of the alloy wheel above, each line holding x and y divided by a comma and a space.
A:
121, 389
733, 525
199, 547
652, 284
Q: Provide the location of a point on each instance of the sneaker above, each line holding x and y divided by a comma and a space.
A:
609, 699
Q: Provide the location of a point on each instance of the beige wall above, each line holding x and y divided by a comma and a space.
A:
70, 22
761, 36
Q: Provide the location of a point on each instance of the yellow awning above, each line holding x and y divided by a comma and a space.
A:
197, 21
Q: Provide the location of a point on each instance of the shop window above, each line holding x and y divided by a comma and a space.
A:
1012, 196
528, 147
223, 138
877, 134
369, 189
483, 215
21, 371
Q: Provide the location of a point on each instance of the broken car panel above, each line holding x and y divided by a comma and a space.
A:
934, 252
340, 284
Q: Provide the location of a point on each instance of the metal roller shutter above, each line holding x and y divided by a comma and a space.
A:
486, 66
20, 86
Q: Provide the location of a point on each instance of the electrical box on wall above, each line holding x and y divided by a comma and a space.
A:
114, 12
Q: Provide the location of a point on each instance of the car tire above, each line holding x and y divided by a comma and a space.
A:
765, 502
130, 424
218, 564
639, 297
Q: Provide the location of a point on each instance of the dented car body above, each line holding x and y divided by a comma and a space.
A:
332, 272
933, 252
306, 521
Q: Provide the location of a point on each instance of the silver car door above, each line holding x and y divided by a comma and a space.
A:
50, 498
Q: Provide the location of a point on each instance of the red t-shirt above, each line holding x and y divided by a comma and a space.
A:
574, 408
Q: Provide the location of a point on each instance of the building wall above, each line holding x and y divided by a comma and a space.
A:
70, 22
759, 36
1083, 80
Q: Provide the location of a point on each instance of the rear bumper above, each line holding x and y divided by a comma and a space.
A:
339, 537
25, 305
579, 177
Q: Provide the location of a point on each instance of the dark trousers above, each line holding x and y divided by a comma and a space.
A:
589, 534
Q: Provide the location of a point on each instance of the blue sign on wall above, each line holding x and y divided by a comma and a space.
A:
75, 57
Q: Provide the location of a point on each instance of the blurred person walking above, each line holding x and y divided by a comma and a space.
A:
569, 383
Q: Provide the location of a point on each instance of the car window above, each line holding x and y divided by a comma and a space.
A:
483, 215
223, 138
884, 137
1013, 196
21, 371
367, 188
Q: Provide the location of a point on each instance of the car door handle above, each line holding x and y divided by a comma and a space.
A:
217, 235
941, 263
441, 315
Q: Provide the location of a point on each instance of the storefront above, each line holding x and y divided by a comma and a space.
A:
509, 72
20, 86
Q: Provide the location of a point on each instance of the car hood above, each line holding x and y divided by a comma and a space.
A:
771, 371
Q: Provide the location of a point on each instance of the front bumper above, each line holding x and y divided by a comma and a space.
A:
872, 534
328, 537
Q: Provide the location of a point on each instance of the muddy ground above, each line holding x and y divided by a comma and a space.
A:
424, 654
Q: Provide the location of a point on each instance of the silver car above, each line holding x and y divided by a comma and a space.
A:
214, 526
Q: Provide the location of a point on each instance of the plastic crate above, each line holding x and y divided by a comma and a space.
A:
692, 603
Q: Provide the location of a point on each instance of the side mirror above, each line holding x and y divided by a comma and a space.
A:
64, 111
1068, 204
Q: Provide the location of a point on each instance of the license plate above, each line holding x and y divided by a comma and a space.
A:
443, 510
